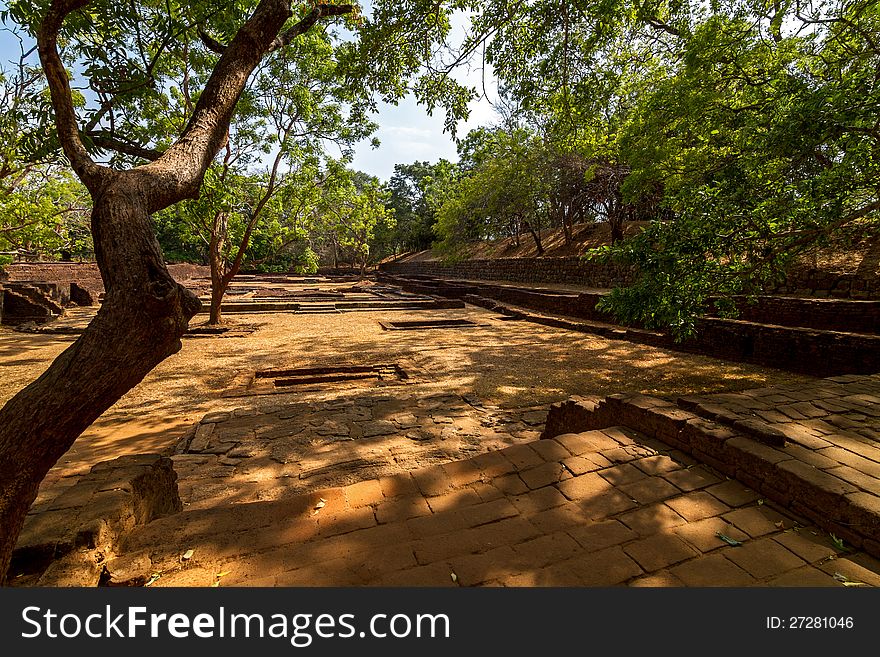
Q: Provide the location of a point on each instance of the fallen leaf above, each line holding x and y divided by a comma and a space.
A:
454, 577
838, 542
320, 505
153, 578
215, 584
728, 540
760, 502
188, 555
780, 524
223, 574
846, 581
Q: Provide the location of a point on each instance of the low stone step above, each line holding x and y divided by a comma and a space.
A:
64, 542
792, 475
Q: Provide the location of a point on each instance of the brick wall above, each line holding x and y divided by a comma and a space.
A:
819, 283
823, 314
86, 274
573, 270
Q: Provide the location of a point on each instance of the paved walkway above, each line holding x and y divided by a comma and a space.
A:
598, 508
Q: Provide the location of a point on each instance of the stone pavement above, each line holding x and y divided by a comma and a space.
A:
597, 508
281, 450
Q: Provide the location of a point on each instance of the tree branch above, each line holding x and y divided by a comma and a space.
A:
284, 39
317, 13
106, 142
91, 174
180, 170
211, 43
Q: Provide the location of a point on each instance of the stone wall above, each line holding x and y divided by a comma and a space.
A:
824, 314
85, 274
805, 350
819, 283
574, 270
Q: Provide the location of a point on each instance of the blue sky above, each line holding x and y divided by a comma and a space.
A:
406, 132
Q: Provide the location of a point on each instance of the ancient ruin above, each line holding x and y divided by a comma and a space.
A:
400, 430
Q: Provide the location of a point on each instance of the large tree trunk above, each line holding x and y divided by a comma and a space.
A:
139, 325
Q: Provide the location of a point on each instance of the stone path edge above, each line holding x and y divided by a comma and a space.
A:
832, 503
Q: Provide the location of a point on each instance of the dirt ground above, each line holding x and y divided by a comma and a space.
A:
504, 364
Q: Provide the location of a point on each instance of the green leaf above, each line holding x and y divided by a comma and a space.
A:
727, 539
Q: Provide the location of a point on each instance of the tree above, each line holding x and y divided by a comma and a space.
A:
124, 53
502, 192
352, 210
764, 137
294, 106
413, 213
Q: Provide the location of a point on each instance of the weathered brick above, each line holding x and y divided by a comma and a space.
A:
550, 450
650, 490
522, 456
622, 474
712, 570
363, 493
397, 485
545, 474
763, 558
462, 473
606, 504
493, 464
547, 549
584, 486
607, 567
691, 478
510, 484
659, 551
474, 569
539, 500
455, 499
807, 576
856, 478
657, 465
432, 480
703, 534
734, 493
811, 548
697, 506
600, 535
346, 521
801, 475
487, 512
579, 465
402, 508
652, 519
755, 521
